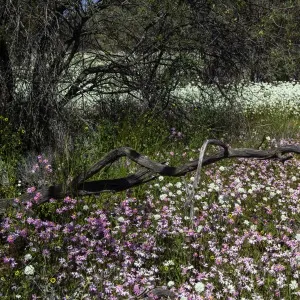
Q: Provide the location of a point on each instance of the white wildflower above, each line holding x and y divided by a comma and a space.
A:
199, 287
171, 283
29, 270
156, 217
178, 184
293, 285
121, 219
199, 228
164, 189
28, 257
161, 178
246, 222
283, 217
241, 190
163, 196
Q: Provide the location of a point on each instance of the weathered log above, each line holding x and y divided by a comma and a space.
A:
149, 171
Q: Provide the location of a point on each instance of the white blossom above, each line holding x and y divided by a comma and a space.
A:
178, 184
27, 257
29, 270
171, 283
156, 217
199, 287
121, 219
163, 196
293, 285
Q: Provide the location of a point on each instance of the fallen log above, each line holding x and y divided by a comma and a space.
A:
150, 170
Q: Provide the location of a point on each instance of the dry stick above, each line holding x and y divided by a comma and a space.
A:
149, 171
191, 194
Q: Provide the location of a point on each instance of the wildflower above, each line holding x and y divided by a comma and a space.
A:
246, 222
27, 257
170, 284
156, 217
121, 219
298, 237
178, 184
222, 168
199, 287
120, 290
199, 228
161, 178
163, 196
31, 190
283, 217
29, 270
293, 285
52, 280
10, 239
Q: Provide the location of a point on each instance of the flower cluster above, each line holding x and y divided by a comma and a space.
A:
243, 243
253, 97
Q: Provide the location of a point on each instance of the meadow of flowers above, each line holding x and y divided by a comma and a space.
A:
252, 97
243, 243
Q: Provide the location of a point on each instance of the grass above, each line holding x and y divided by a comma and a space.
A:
242, 244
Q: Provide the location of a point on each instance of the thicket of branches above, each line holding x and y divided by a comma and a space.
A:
52, 53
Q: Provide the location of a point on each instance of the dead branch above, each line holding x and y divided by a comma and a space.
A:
149, 171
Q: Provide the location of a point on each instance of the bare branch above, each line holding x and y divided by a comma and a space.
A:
149, 171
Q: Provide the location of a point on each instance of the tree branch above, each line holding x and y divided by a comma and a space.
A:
149, 171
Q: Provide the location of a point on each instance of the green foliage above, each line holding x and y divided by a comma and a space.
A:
10, 156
